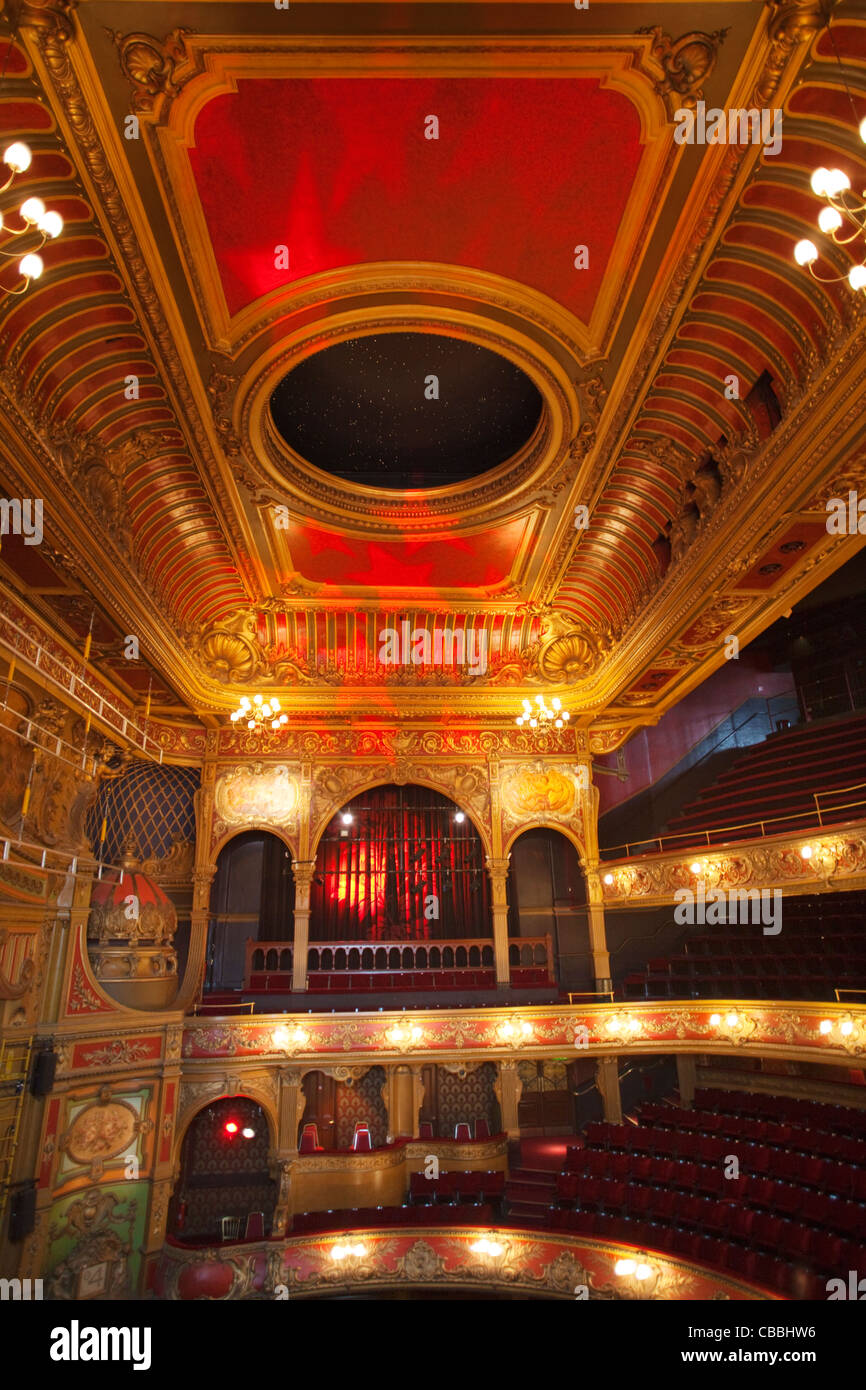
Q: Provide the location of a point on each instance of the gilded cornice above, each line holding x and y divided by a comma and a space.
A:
837, 862
756, 1028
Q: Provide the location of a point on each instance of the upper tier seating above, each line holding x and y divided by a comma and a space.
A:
795, 1216
776, 781
821, 947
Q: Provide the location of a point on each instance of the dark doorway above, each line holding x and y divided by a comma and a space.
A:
252, 899
547, 896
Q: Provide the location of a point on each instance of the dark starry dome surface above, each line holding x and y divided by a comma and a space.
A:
359, 410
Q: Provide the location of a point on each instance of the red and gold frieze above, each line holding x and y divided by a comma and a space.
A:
550, 1266
794, 1029
811, 860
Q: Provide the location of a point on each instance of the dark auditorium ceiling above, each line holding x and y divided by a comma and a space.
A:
260, 230
406, 410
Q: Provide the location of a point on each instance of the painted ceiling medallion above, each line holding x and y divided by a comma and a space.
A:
406, 410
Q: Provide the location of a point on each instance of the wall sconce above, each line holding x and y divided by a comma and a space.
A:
638, 1279
516, 1032
736, 1026
623, 1029
288, 1040
846, 1030
341, 1253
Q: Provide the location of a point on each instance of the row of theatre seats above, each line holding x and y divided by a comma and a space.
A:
821, 947
368, 1218
377, 981
457, 1187
795, 1216
779, 778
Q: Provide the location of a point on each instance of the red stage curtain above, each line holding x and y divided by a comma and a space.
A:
374, 881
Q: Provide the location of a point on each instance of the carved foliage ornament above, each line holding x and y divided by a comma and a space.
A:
150, 65
685, 62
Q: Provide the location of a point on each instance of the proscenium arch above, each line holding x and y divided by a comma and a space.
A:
316, 835
475, 843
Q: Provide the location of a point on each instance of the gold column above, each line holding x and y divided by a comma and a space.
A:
303, 870
403, 1093
597, 934
607, 1081
289, 1110
686, 1077
498, 871
509, 1088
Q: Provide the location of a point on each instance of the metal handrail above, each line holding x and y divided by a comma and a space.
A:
693, 842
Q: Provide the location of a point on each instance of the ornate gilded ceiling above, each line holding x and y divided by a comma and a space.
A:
245, 187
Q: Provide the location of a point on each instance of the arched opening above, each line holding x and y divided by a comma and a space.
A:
252, 900
547, 898
335, 1108
225, 1190
400, 864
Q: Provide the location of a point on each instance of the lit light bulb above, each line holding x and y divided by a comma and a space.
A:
257, 699
346, 818
33, 209
862, 131
624, 1267
805, 252
731, 1020
695, 868
715, 1020
533, 723
248, 1133
284, 719
51, 224
819, 182
251, 724
608, 878
18, 157
806, 852
825, 1026
857, 277
829, 220
31, 266
459, 817
836, 182
643, 1272
846, 1029
275, 704
519, 721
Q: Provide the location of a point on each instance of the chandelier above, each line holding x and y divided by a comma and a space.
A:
543, 715
258, 713
843, 210
40, 223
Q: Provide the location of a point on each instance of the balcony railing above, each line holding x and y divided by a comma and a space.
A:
269, 964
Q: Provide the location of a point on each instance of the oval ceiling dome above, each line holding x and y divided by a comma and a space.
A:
406, 410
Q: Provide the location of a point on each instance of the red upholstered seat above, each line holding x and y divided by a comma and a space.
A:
361, 1140
255, 1226
482, 1129
425, 1130
462, 1132
310, 1140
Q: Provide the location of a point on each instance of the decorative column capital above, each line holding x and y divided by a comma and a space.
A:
303, 870
498, 868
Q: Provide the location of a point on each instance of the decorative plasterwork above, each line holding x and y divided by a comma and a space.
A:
773, 1029
543, 792
251, 795
685, 63
548, 1266
837, 859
